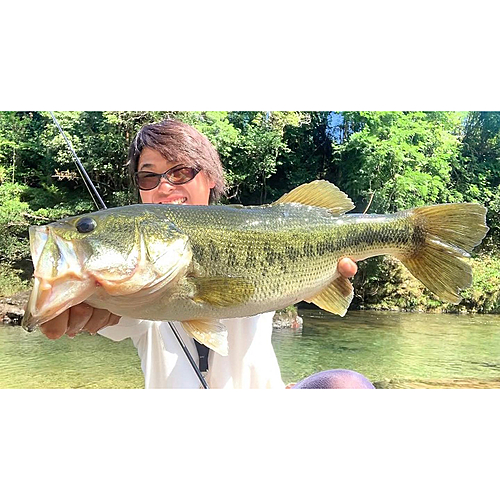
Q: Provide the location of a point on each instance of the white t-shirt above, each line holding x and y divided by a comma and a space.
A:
250, 364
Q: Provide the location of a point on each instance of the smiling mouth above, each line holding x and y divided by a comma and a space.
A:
177, 201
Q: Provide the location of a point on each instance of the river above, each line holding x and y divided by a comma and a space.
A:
394, 350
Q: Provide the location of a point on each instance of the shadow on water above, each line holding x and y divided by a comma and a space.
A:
394, 350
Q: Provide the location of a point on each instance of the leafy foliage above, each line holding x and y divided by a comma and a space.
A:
402, 159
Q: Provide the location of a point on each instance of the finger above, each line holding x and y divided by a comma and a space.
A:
56, 328
99, 319
78, 318
347, 267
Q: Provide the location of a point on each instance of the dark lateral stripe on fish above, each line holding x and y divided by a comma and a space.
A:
357, 236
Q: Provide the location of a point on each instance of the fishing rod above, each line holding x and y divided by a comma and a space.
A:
86, 179
102, 206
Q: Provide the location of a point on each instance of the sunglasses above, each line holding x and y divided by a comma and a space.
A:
176, 176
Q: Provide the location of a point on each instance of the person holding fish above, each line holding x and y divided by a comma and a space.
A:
172, 163
219, 271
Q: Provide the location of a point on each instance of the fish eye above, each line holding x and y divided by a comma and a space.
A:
86, 225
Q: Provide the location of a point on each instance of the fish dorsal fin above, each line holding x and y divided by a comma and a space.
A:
209, 332
322, 194
336, 297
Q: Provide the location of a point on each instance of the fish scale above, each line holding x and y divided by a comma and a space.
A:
293, 258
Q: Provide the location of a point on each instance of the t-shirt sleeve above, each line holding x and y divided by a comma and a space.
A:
126, 328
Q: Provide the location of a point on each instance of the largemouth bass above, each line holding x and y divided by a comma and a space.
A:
199, 264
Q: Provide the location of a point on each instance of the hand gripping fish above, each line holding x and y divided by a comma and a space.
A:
199, 264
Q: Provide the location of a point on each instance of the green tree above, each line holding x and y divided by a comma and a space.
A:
400, 159
477, 175
256, 155
308, 155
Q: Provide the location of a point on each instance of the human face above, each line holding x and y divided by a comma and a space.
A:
194, 192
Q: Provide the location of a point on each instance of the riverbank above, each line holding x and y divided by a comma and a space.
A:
12, 308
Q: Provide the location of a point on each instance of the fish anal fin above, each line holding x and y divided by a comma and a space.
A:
209, 332
319, 193
222, 291
336, 297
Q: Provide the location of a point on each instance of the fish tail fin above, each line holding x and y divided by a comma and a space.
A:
450, 232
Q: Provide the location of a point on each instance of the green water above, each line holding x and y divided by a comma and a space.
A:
391, 349
396, 349
30, 360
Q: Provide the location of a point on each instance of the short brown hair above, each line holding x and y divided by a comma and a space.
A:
179, 142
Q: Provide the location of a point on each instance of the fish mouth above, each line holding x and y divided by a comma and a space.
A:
59, 282
48, 300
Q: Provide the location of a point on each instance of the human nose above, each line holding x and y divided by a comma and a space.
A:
164, 185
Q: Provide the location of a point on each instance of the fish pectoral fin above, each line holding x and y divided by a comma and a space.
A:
322, 194
336, 297
222, 291
209, 332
